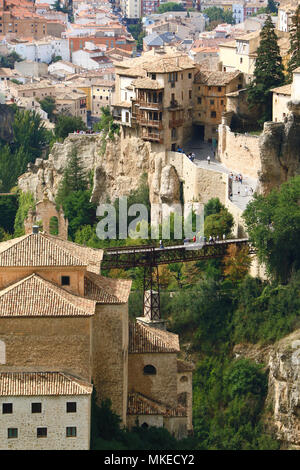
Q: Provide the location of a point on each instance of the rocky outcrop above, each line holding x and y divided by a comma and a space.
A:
283, 400
284, 389
117, 170
280, 150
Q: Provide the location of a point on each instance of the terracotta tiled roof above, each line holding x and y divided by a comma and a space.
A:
209, 78
284, 90
147, 83
139, 404
183, 366
40, 249
106, 290
146, 339
33, 296
42, 383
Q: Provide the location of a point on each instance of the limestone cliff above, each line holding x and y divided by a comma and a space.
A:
283, 400
279, 147
117, 170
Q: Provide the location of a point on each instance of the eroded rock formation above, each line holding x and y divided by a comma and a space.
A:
117, 170
279, 147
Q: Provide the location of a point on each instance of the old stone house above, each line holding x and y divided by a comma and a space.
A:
64, 329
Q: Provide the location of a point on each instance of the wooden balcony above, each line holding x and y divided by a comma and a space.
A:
175, 123
149, 123
153, 137
148, 105
175, 105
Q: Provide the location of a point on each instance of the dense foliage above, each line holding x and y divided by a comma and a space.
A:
217, 15
294, 51
29, 138
8, 61
65, 125
170, 6
273, 225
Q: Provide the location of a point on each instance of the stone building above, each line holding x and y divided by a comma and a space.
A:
210, 90
154, 97
64, 327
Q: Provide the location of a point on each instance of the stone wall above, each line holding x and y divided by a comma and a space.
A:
163, 385
35, 343
53, 417
109, 356
239, 152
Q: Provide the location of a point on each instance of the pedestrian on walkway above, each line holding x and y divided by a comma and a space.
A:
208, 159
193, 156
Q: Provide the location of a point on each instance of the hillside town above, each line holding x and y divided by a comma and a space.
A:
176, 342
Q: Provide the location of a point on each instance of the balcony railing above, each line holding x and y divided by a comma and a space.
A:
153, 137
175, 105
149, 122
175, 123
149, 105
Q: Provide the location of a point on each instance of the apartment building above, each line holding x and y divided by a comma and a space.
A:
154, 97
210, 89
19, 19
101, 93
71, 101
41, 50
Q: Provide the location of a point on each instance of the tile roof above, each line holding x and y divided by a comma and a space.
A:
147, 83
210, 78
33, 296
106, 290
284, 90
146, 339
40, 249
42, 383
155, 63
139, 404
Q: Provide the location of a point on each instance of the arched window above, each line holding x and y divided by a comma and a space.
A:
183, 378
145, 426
149, 370
2, 353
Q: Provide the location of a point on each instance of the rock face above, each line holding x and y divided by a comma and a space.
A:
284, 389
117, 170
283, 400
280, 150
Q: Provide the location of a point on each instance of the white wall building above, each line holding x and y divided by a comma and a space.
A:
44, 411
238, 12
43, 50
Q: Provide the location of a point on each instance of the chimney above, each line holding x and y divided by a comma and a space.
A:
35, 229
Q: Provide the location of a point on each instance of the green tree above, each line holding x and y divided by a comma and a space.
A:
68, 124
170, 6
137, 32
213, 206
8, 61
268, 72
272, 8
8, 209
217, 15
273, 225
294, 51
48, 105
29, 133
106, 123
26, 201
218, 224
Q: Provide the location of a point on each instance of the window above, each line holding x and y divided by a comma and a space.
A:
190, 94
213, 114
241, 60
212, 101
12, 433
184, 379
219, 88
36, 407
41, 432
7, 408
199, 100
65, 280
153, 76
149, 370
71, 407
190, 75
71, 431
222, 102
